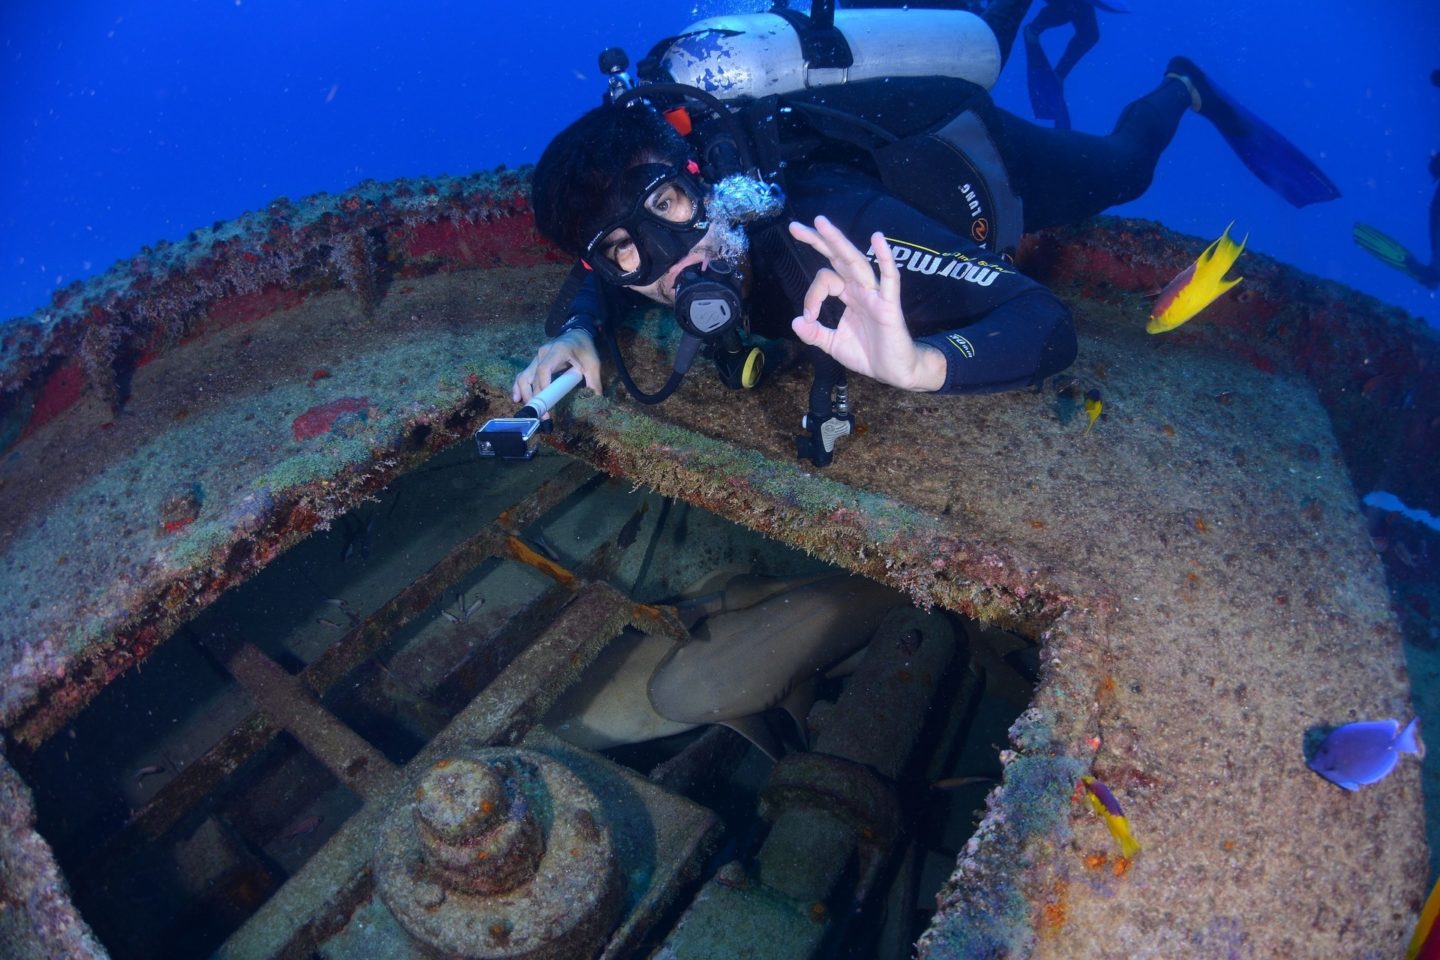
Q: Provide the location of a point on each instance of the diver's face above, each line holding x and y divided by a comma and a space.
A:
667, 203
663, 289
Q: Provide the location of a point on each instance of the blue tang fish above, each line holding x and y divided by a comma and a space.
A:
1366, 752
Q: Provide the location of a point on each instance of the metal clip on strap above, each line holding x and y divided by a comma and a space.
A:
829, 417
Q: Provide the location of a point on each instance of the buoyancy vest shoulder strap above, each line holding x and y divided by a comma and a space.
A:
957, 176
924, 138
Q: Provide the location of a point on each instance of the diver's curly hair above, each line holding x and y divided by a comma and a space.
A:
571, 188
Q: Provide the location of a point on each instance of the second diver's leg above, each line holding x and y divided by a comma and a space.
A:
1004, 18
1064, 176
1087, 34
1050, 16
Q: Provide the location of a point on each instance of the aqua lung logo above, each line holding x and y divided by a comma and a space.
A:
933, 263
979, 223
971, 199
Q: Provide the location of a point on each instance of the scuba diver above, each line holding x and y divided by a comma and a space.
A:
873, 220
1047, 83
1390, 251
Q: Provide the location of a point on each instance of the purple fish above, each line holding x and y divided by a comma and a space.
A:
1360, 753
1103, 794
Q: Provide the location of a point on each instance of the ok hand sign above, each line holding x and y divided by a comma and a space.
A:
871, 338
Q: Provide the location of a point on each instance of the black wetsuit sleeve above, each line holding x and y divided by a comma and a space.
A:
579, 305
999, 330
1024, 341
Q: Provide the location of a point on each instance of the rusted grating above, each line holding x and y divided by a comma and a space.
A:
256, 731
333, 883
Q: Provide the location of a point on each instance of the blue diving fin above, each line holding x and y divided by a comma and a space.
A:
1275, 160
1047, 95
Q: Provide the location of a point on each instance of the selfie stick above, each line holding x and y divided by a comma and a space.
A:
514, 438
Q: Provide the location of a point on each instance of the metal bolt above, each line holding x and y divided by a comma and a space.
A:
460, 800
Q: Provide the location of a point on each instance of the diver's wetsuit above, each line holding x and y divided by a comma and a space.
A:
1064, 176
999, 330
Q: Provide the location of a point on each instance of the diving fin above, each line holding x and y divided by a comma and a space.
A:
1276, 161
1383, 246
1047, 94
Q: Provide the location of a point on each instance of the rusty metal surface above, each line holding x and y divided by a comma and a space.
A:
1007, 514
286, 701
292, 921
501, 854
37, 919
659, 839
249, 737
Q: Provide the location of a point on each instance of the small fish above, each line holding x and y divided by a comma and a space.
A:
1359, 753
302, 827
147, 771
955, 783
358, 536
632, 527
540, 543
1424, 942
1103, 802
1197, 286
1093, 406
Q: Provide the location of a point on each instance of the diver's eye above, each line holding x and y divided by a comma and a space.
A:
669, 202
620, 250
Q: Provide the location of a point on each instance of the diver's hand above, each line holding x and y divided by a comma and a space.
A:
573, 348
871, 338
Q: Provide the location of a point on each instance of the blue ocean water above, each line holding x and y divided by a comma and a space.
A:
126, 123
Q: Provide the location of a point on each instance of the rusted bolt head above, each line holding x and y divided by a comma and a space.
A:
460, 800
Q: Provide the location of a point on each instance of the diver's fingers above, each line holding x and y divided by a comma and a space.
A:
889, 273
814, 333
806, 235
583, 357
813, 237
844, 256
523, 388
827, 283
553, 357
543, 375
824, 243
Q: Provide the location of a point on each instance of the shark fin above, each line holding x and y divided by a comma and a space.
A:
797, 704
756, 729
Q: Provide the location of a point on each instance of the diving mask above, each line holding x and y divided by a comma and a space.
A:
664, 222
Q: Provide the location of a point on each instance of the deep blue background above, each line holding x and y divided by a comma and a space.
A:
125, 123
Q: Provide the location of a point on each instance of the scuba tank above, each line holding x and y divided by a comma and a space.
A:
846, 73
756, 55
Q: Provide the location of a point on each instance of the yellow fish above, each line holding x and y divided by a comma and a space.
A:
1425, 942
1103, 802
1093, 406
1197, 286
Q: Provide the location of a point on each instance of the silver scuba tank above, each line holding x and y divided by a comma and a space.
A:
755, 55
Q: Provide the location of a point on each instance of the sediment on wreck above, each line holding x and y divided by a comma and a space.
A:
1173, 561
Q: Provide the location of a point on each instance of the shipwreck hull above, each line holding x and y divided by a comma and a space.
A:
1196, 567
